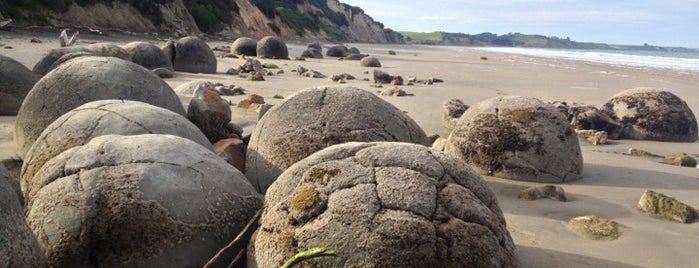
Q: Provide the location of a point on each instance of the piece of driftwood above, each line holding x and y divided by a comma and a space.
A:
5, 22
65, 41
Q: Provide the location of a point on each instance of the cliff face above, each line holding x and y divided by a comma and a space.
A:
300, 19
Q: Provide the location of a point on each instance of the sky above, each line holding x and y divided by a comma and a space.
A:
658, 22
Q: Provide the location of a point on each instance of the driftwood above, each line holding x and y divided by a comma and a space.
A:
65, 41
5, 23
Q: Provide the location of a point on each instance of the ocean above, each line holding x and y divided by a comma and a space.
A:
637, 58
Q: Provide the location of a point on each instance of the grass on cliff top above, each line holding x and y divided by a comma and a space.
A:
433, 36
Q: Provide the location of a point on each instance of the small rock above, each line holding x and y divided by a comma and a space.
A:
381, 77
665, 207
436, 80
251, 65
232, 71
547, 191
35, 40
684, 160
233, 151
642, 153
313, 74
397, 80
256, 76
280, 72
390, 52
592, 136
428, 82
253, 98
594, 227
163, 73
394, 92
276, 96
484, 58
231, 90
412, 79
210, 113
270, 66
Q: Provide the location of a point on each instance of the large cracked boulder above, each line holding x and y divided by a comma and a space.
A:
517, 138
15, 82
315, 118
587, 117
244, 46
98, 118
653, 114
272, 47
139, 201
148, 55
382, 204
18, 246
192, 55
83, 80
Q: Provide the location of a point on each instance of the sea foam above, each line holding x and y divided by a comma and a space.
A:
668, 60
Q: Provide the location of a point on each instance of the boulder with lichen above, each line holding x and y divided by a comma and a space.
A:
653, 114
382, 204
594, 227
517, 138
665, 207
547, 191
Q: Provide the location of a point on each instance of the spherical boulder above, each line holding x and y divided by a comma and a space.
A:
46, 63
244, 46
105, 117
315, 118
148, 55
315, 45
193, 55
18, 246
15, 82
370, 61
272, 47
83, 80
109, 50
517, 138
382, 204
337, 51
139, 201
312, 53
652, 114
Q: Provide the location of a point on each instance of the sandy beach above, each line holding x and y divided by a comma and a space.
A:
612, 182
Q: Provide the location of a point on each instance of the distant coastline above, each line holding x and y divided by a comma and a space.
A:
525, 41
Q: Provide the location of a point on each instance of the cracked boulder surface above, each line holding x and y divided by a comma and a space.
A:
517, 138
18, 246
316, 118
83, 80
98, 118
382, 204
652, 114
149, 200
15, 82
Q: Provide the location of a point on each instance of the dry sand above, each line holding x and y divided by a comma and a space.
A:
612, 182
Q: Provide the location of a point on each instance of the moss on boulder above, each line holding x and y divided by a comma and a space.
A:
594, 227
665, 207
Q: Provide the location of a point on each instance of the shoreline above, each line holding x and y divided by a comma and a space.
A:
611, 181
